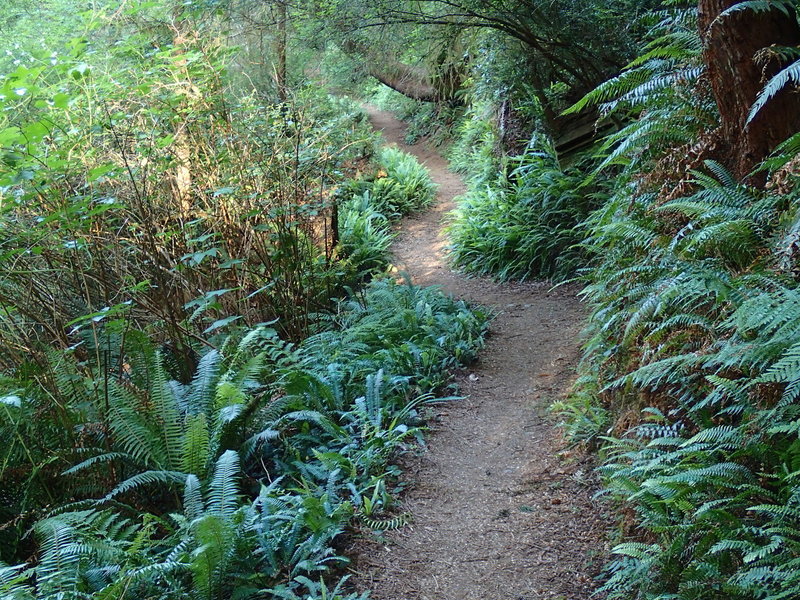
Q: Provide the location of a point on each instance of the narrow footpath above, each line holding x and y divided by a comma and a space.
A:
499, 510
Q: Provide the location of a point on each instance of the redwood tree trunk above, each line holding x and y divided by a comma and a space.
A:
732, 45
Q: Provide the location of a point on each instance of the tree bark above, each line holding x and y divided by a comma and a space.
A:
733, 51
282, 40
404, 79
412, 82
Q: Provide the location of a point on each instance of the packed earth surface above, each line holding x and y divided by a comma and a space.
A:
500, 509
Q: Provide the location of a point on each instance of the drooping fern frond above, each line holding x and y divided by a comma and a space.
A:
196, 445
789, 75
147, 478
201, 390
14, 583
759, 6
671, 59
192, 498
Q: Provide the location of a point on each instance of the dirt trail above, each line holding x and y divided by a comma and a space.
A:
497, 513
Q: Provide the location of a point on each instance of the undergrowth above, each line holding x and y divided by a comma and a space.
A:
525, 223
371, 203
689, 384
204, 378
237, 484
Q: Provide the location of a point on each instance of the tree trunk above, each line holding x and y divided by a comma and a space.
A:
731, 49
280, 67
404, 79
410, 81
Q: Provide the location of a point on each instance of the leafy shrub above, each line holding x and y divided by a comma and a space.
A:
160, 205
365, 236
239, 483
474, 150
166, 247
400, 186
691, 358
695, 327
524, 225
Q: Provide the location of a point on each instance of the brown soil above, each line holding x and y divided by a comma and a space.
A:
499, 510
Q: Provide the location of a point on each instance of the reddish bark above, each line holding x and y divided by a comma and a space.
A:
402, 78
733, 53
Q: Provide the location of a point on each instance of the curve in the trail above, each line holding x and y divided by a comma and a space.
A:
500, 511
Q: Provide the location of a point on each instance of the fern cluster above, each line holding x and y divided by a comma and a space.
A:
236, 484
524, 224
695, 326
690, 379
370, 204
400, 186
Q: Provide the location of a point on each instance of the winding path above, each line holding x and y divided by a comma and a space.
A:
500, 511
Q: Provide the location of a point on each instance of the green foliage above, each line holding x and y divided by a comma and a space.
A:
370, 204
187, 409
694, 325
788, 75
433, 122
320, 420
690, 373
578, 44
524, 225
24, 38
400, 186
474, 152
162, 205
365, 236
668, 63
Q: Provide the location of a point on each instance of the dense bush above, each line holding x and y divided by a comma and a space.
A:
694, 324
162, 205
237, 484
400, 185
689, 382
524, 224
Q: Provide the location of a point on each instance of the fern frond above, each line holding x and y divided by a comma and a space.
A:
147, 478
223, 492
166, 413
387, 524
758, 6
100, 458
192, 498
786, 76
196, 445
201, 390
58, 568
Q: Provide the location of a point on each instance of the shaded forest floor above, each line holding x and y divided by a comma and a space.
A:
499, 510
